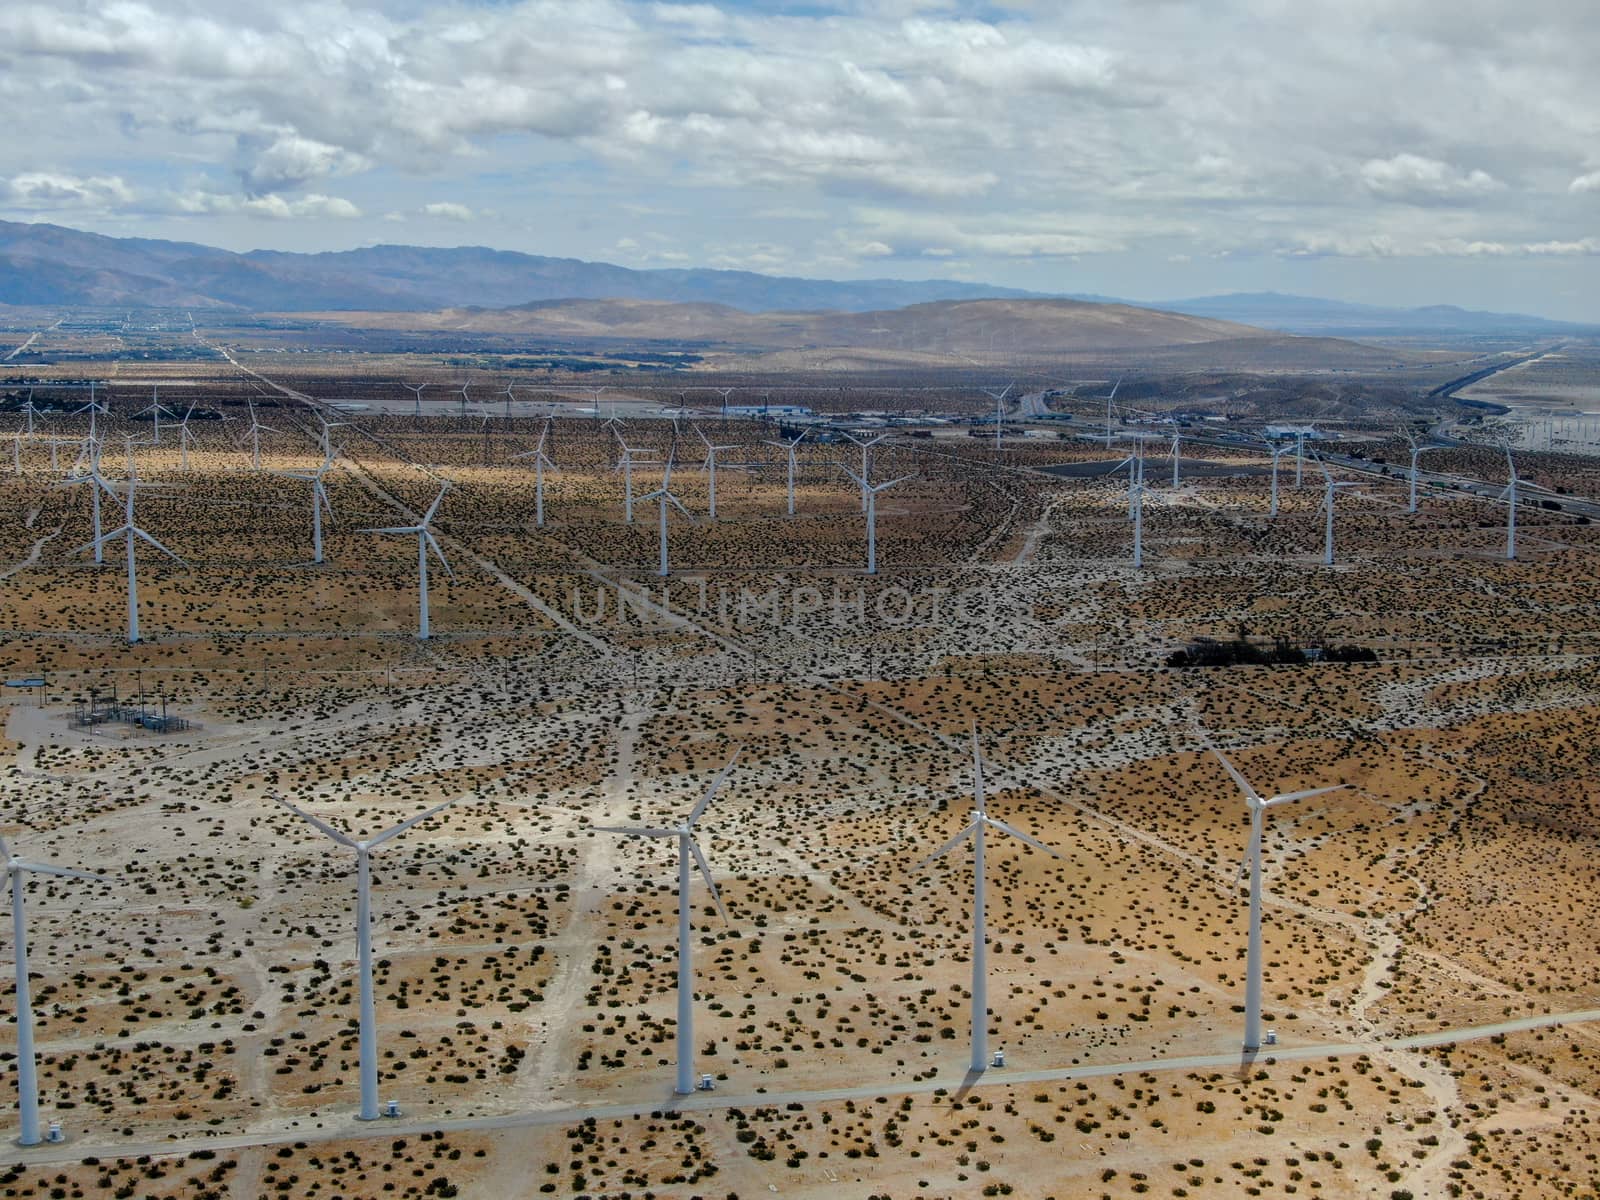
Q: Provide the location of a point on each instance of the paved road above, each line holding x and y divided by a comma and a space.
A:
32, 338
347, 1128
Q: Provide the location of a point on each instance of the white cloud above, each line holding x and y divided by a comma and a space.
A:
448, 210
275, 207
56, 191
1414, 178
1585, 183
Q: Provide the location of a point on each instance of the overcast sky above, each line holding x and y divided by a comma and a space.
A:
1390, 151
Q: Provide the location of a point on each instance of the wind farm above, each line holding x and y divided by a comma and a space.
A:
928, 700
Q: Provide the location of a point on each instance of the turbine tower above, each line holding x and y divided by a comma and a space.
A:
27, 1061
368, 1023
1416, 453
1327, 505
981, 823
1277, 453
185, 438
999, 412
1112, 396
319, 500
1177, 445
870, 491
788, 447
1258, 806
464, 399
155, 411
625, 465
96, 484
687, 848
664, 496
134, 535
425, 542
1510, 497
254, 434
710, 467
541, 460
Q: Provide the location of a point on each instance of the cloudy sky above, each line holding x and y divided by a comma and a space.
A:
1390, 151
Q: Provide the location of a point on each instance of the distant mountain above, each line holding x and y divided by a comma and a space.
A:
1306, 314
52, 265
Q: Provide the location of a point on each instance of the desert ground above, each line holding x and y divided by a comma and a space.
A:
1430, 932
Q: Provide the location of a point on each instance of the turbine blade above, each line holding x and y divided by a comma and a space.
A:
705, 870
712, 790
392, 529
64, 872
139, 533
428, 533
1021, 837
950, 845
635, 830
1285, 799
395, 831
434, 507
338, 835
883, 487
1244, 784
860, 482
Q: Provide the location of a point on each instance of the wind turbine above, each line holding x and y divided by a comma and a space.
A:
155, 410
416, 391
327, 432
663, 495
184, 438
788, 447
319, 500
1109, 399
711, 467
1416, 453
625, 464
464, 399
96, 485
29, 411
1277, 451
1327, 504
1510, 496
687, 848
1176, 449
870, 491
254, 434
425, 542
980, 824
368, 1023
1258, 806
133, 534
93, 408
999, 412
1299, 454
509, 397
1136, 505
27, 1062
541, 460
866, 472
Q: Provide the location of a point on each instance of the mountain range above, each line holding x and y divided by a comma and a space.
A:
43, 265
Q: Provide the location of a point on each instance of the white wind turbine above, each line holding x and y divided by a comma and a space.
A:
999, 411
368, 1020
464, 399
327, 432
29, 411
416, 391
710, 467
96, 485
319, 500
1510, 497
663, 495
1177, 449
788, 447
625, 464
687, 848
541, 460
981, 823
156, 410
870, 491
1277, 451
94, 408
133, 534
1136, 505
866, 463
1299, 454
27, 1062
510, 388
425, 542
185, 438
254, 434
1327, 505
1252, 859
1417, 451
1112, 396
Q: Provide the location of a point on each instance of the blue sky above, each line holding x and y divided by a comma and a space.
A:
1388, 151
